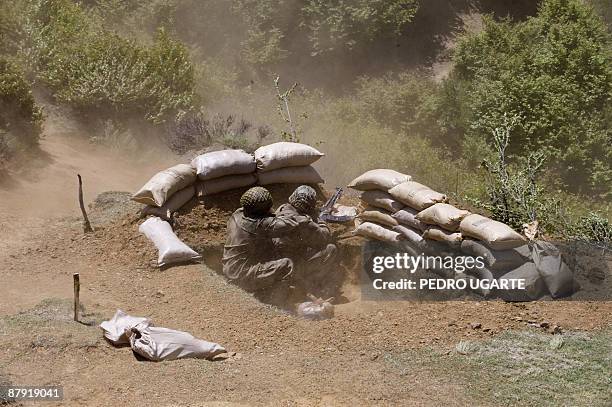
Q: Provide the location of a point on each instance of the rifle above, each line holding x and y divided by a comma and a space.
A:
326, 211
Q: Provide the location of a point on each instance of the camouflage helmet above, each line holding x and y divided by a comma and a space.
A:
304, 198
256, 200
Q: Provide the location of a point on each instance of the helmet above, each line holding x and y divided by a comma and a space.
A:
256, 201
304, 198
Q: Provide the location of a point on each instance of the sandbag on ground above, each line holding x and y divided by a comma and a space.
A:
409, 233
443, 215
407, 216
496, 235
222, 184
557, 276
115, 328
383, 179
441, 235
496, 260
164, 184
285, 154
171, 249
157, 344
381, 199
415, 195
378, 232
176, 202
223, 163
535, 287
377, 216
290, 175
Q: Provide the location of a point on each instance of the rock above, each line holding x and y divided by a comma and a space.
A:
475, 325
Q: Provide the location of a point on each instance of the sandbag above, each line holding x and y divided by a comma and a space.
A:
317, 309
176, 202
157, 344
377, 216
290, 175
382, 179
496, 235
416, 196
409, 233
443, 215
216, 185
285, 154
378, 232
441, 235
223, 163
496, 260
556, 274
407, 217
381, 199
164, 184
171, 249
115, 328
535, 287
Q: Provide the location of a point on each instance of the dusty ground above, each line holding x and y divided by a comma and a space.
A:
279, 359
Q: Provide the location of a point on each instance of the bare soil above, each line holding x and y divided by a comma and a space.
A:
276, 358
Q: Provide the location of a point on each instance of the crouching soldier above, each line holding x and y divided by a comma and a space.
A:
310, 243
250, 256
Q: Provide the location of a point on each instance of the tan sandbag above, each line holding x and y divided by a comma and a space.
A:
407, 216
441, 235
383, 179
377, 216
381, 199
285, 154
415, 195
378, 232
535, 288
217, 185
443, 215
496, 235
290, 175
223, 163
495, 260
176, 202
164, 184
409, 233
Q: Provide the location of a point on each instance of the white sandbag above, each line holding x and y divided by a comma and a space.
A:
383, 179
317, 309
171, 248
157, 344
377, 216
409, 233
441, 235
285, 154
495, 260
381, 199
290, 175
164, 184
416, 196
496, 235
378, 232
176, 202
217, 185
115, 328
535, 287
223, 163
407, 216
443, 215
556, 274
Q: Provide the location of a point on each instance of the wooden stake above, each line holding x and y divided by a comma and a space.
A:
77, 288
86, 225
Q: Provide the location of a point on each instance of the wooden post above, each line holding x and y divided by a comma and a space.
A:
86, 225
77, 288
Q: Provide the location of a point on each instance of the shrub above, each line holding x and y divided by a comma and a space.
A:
554, 72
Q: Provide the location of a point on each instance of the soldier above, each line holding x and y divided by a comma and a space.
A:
250, 256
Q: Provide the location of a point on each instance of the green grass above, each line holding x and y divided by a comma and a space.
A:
525, 368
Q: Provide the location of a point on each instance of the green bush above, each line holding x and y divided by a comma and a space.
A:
97, 70
20, 117
554, 72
